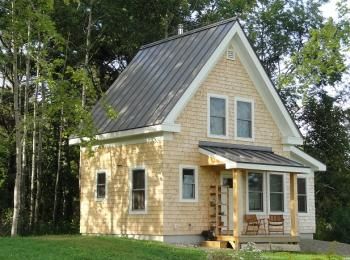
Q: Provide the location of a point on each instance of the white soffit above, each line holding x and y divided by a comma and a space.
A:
303, 157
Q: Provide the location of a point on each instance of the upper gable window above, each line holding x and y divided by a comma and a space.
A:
244, 119
217, 115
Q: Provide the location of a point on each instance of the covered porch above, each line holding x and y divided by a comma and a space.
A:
252, 182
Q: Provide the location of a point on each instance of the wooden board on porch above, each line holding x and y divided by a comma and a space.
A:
268, 239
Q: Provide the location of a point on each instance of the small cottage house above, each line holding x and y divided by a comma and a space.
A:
202, 144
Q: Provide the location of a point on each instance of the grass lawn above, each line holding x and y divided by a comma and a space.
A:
81, 247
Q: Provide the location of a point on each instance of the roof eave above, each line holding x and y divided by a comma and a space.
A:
170, 128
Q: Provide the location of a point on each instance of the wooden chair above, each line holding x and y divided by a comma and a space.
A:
253, 224
275, 223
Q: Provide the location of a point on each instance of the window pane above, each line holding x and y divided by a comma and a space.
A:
244, 110
302, 203
301, 186
244, 128
255, 182
138, 200
217, 107
101, 191
276, 183
138, 179
188, 184
217, 125
101, 178
276, 202
255, 201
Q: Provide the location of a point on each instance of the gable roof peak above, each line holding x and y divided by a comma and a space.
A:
190, 32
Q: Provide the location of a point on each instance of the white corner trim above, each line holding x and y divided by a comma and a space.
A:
192, 167
317, 165
172, 128
202, 75
251, 101
224, 97
131, 211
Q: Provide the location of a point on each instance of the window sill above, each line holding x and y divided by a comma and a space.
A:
137, 212
244, 139
189, 200
217, 136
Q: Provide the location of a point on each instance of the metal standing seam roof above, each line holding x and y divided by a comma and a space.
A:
249, 154
157, 77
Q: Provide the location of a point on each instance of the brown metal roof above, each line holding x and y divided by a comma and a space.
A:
249, 154
156, 78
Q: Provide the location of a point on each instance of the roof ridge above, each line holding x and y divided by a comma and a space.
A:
189, 32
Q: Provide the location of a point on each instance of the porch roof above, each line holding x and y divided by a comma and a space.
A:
250, 157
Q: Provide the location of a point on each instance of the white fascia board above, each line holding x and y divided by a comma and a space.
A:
292, 140
201, 76
173, 128
215, 156
304, 157
264, 167
264, 86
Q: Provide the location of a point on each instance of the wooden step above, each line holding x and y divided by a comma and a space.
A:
224, 238
214, 244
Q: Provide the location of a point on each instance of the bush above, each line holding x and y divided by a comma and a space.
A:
6, 222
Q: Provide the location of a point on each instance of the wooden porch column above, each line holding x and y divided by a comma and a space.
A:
293, 205
235, 197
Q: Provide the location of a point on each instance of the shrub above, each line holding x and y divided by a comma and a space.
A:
250, 252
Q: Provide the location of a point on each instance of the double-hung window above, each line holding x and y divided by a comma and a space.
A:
188, 183
244, 119
276, 192
101, 185
138, 190
256, 192
217, 116
302, 196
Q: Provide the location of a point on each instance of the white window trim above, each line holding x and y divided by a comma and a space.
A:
285, 204
195, 168
263, 212
131, 211
249, 100
106, 188
307, 197
210, 95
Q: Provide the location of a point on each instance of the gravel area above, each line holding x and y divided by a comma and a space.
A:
318, 246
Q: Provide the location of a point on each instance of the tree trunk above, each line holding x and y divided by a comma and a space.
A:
17, 203
25, 127
34, 150
58, 169
87, 51
39, 160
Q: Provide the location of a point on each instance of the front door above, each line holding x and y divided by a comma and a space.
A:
227, 200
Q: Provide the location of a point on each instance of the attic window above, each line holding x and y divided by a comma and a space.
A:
230, 54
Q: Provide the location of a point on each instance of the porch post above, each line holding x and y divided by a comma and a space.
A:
293, 204
235, 190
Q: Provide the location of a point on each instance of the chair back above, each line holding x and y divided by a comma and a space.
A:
250, 218
276, 218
